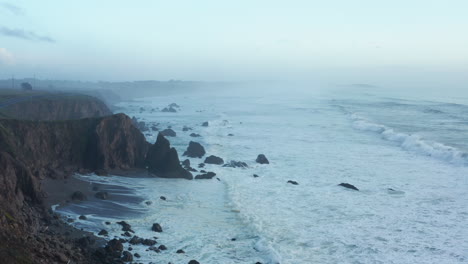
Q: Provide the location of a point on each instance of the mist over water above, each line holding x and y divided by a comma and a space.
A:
406, 153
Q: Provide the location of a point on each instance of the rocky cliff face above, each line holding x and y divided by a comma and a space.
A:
33, 150
56, 107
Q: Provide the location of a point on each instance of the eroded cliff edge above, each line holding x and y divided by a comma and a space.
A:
35, 150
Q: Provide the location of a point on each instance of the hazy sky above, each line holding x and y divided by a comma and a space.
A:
234, 40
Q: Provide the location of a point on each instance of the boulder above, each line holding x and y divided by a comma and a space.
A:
169, 109
102, 195
208, 175
168, 132
293, 182
82, 217
127, 256
186, 128
262, 159
103, 232
186, 163
162, 247
162, 198
195, 135
201, 165
230, 135
255, 176
193, 262
236, 164
174, 105
195, 150
214, 160
136, 255
349, 186
180, 251
205, 124
156, 228
125, 226
78, 196
163, 161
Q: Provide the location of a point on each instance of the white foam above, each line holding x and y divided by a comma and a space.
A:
413, 142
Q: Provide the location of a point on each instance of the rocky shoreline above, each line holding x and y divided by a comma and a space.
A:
32, 151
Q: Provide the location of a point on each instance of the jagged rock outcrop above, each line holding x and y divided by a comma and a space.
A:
262, 159
34, 150
163, 161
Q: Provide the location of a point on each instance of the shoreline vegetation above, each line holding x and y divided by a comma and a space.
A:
43, 142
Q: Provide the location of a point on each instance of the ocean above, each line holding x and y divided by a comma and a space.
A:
408, 155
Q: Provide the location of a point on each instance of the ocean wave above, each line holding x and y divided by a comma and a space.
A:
412, 142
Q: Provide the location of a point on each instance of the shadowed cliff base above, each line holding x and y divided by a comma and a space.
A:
31, 151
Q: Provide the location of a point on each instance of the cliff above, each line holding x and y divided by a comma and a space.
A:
39, 105
34, 150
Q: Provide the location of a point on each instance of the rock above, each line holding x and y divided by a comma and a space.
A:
255, 176
103, 232
125, 226
127, 256
156, 228
230, 135
101, 172
162, 247
195, 150
163, 161
203, 171
174, 105
154, 128
208, 175
195, 135
293, 182
214, 160
233, 239
135, 240
78, 196
169, 109
349, 186
236, 164
108, 223
136, 255
114, 246
102, 195
262, 159
148, 203
193, 262
201, 165
186, 128
168, 132
186, 163
82, 217
180, 251
127, 234
130, 248
148, 242
205, 124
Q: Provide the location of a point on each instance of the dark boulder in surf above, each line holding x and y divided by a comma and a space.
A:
208, 175
78, 196
255, 176
186, 128
169, 109
103, 232
195, 135
163, 198
193, 262
262, 159
163, 161
82, 217
127, 256
293, 182
186, 163
125, 226
201, 165
349, 186
205, 124
236, 164
102, 195
168, 132
180, 251
214, 160
195, 150
156, 228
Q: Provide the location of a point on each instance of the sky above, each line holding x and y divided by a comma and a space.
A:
364, 41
